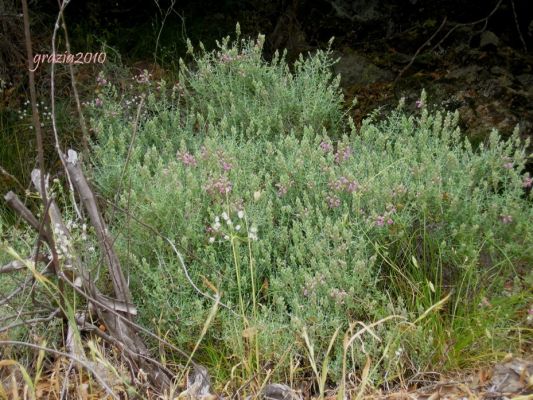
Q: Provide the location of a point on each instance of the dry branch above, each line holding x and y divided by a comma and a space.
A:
108, 309
120, 286
17, 265
115, 313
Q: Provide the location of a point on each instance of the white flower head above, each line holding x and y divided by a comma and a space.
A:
211, 240
238, 227
226, 237
253, 229
225, 216
216, 227
240, 214
217, 219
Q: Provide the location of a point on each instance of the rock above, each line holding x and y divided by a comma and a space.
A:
358, 70
362, 11
525, 79
468, 74
198, 384
497, 70
513, 376
277, 391
488, 40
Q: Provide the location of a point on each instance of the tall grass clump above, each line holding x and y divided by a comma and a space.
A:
306, 225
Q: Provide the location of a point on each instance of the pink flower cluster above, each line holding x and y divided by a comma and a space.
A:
385, 218
527, 182
344, 184
219, 186
282, 189
187, 159
310, 286
226, 166
143, 77
508, 164
101, 81
380, 220
399, 190
226, 58
343, 154
338, 295
506, 219
333, 201
326, 147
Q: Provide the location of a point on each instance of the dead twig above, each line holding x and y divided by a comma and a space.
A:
17, 265
426, 43
63, 4
111, 310
30, 322
517, 25
13, 178
457, 25
122, 292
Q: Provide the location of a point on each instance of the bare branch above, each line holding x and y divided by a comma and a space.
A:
17, 265
426, 43
10, 176
30, 322
14, 202
120, 286
139, 328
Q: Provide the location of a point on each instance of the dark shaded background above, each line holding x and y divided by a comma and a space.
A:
484, 69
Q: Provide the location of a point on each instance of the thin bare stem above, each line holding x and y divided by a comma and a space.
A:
426, 43
53, 109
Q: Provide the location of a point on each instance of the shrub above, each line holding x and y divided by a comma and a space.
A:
243, 166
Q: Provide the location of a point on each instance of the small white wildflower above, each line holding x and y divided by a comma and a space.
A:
253, 229
229, 222
91, 249
252, 236
217, 219
238, 227
211, 240
84, 227
216, 227
225, 216
240, 214
226, 237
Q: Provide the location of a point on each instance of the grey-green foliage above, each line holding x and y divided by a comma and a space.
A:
235, 87
337, 220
